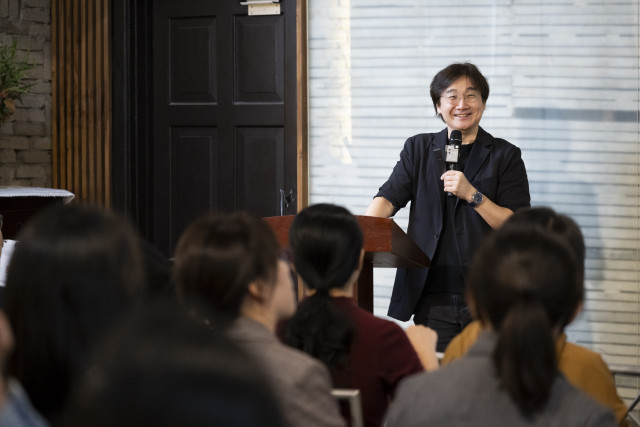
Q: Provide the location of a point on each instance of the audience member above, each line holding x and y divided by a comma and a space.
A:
161, 368
361, 351
15, 407
231, 264
525, 285
74, 271
583, 368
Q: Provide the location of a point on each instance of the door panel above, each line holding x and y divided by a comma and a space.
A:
193, 156
257, 38
193, 60
224, 112
259, 169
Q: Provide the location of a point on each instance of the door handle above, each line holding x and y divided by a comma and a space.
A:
286, 200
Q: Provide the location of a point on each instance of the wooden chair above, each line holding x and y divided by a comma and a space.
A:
633, 371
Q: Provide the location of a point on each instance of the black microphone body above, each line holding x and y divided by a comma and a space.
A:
452, 150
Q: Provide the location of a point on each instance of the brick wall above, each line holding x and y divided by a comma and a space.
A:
25, 142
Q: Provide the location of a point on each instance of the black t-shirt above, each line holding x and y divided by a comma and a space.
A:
446, 273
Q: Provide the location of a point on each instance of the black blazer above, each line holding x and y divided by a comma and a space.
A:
495, 168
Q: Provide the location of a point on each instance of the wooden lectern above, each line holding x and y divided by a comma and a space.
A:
18, 204
385, 244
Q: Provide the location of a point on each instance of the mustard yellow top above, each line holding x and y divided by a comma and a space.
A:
582, 367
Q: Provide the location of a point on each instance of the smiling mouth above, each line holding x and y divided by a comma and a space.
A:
462, 115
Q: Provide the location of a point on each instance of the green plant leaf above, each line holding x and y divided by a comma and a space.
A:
13, 79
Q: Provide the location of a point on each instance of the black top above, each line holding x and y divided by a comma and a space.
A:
447, 272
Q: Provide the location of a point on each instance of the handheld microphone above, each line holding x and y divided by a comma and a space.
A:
452, 150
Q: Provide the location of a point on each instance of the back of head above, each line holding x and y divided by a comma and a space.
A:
525, 282
326, 241
558, 224
218, 256
163, 368
74, 270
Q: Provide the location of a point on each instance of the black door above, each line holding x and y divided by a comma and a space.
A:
224, 112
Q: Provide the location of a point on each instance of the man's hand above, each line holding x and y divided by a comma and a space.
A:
457, 184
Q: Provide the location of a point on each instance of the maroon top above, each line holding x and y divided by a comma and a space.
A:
379, 358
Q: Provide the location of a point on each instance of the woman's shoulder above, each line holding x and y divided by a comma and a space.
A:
360, 315
258, 340
373, 328
587, 370
281, 358
573, 357
462, 342
577, 408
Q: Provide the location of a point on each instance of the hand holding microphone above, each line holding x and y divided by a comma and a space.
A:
456, 181
453, 152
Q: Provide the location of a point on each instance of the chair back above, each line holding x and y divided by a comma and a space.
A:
352, 397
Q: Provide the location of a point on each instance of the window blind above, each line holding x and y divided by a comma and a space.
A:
565, 84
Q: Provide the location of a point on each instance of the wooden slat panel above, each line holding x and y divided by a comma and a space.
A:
81, 92
82, 104
106, 83
66, 64
91, 92
56, 129
99, 98
75, 97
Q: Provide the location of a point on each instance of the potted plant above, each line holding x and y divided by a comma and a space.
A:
13, 82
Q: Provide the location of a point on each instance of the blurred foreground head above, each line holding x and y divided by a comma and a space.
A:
162, 368
74, 271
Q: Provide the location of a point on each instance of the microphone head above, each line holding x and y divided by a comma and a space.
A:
456, 137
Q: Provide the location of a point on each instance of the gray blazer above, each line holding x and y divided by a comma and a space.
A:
303, 384
467, 393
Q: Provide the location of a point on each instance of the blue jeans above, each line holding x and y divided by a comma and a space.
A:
446, 313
